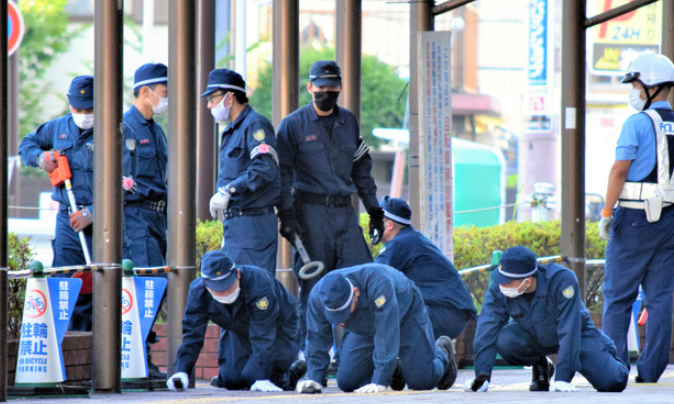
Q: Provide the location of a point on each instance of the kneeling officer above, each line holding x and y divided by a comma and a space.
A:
260, 342
548, 317
385, 319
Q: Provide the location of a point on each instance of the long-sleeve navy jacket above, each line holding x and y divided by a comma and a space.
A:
387, 300
260, 314
555, 315
313, 161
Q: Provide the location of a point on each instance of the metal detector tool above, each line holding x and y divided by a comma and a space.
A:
308, 263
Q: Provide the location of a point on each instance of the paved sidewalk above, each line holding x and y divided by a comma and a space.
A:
509, 386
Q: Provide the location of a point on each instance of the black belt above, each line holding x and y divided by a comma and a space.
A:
230, 213
325, 200
157, 206
66, 208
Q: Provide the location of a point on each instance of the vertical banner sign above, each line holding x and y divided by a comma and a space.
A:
435, 154
140, 301
537, 103
46, 314
617, 42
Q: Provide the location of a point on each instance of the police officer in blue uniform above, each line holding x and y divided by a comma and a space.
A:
71, 135
323, 162
145, 157
248, 181
448, 302
640, 183
385, 318
260, 345
548, 317
145, 154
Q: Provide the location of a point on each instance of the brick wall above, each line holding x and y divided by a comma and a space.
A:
207, 364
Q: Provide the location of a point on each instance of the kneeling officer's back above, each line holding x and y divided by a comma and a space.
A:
260, 342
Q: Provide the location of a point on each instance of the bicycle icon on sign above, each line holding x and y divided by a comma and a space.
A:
35, 304
127, 301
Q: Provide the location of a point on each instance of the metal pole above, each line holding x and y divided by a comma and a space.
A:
348, 51
13, 129
4, 123
421, 19
285, 81
206, 137
573, 139
107, 234
181, 170
240, 38
667, 47
618, 11
449, 6
148, 30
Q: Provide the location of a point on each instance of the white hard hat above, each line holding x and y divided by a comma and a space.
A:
650, 69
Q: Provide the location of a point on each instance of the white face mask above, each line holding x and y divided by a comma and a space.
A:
512, 293
228, 299
220, 112
84, 121
636, 102
161, 107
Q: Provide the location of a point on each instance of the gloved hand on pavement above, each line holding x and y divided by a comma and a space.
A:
309, 387
264, 385
80, 219
182, 383
479, 385
564, 387
371, 388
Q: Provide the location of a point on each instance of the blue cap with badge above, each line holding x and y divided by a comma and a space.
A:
336, 293
397, 210
81, 92
516, 263
225, 79
150, 73
218, 272
325, 73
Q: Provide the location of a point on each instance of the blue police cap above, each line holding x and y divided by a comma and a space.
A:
396, 209
516, 263
218, 272
225, 79
81, 92
150, 73
336, 293
325, 73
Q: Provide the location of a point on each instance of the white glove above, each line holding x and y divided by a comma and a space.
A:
184, 379
309, 384
564, 387
219, 201
604, 227
371, 388
264, 385
468, 386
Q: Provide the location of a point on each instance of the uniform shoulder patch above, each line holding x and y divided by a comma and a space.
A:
259, 135
262, 304
130, 144
380, 301
569, 292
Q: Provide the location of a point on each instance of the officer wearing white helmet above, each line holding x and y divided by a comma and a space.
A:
640, 232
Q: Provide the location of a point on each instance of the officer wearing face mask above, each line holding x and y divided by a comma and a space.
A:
323, 162
145, 156
548, 317
248, 180
640, 184
260, 343
72, 136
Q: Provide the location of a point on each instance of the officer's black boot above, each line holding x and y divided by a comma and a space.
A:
448, 378
295, 373
397, 382
541, 373
215, 382
153, 371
